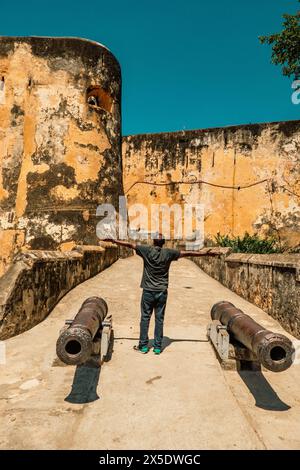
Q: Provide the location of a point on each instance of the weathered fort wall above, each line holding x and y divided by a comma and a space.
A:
272, 282
265, 157
37, 280
60, 148
60, 157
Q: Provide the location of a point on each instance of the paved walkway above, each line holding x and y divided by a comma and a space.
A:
179, 400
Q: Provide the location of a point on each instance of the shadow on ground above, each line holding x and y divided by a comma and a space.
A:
85, 383
86, 378
166, 341
265, 396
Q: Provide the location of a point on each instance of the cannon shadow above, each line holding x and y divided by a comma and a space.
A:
264, 394
86, 379
85, 383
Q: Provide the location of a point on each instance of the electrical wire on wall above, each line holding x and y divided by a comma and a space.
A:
238, 188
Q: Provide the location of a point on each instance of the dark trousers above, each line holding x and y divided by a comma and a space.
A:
152, 300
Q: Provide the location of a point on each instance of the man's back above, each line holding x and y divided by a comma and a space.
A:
157, 262
155, 280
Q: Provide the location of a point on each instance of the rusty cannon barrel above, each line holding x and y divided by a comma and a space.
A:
273, 350
79, 341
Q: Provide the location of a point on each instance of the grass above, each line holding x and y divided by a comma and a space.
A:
249, 244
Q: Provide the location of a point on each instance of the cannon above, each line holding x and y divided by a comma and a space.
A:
82, 337
273, 350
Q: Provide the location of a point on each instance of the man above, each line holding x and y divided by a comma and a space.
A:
155, 280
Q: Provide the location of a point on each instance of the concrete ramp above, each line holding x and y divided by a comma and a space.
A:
181, 399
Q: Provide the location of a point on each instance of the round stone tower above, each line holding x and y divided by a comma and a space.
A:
60, 142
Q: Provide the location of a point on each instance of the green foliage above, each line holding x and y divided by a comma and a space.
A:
286, 45
249, 244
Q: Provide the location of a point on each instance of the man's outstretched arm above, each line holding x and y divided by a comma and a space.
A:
121, 243
186, 253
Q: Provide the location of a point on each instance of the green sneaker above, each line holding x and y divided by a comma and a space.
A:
142, 350
157, 351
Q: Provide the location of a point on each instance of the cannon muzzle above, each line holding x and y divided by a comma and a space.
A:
275, 351
78, 342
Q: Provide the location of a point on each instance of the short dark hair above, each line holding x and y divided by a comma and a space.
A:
159, 240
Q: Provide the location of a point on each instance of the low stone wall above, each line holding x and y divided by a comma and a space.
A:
272, 282
37, 280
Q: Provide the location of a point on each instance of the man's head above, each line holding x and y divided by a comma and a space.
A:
159, 240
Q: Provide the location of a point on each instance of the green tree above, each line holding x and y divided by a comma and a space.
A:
286, 45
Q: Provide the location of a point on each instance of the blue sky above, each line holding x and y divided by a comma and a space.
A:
185, 64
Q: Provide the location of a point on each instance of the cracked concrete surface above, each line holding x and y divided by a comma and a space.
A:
181, 399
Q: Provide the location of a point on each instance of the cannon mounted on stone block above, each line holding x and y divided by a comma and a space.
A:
236, 336
87, 336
